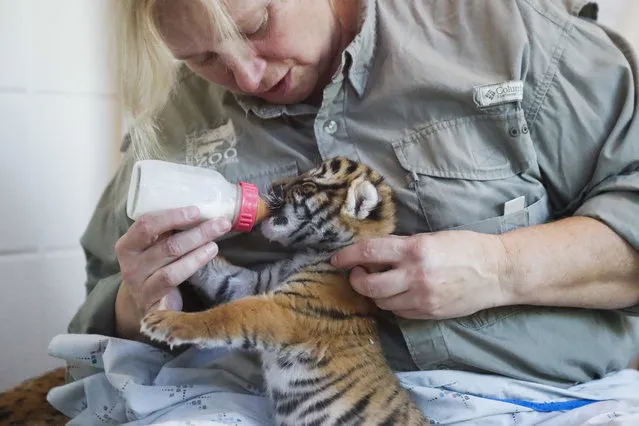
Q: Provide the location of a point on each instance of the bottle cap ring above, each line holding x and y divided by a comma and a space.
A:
248, 207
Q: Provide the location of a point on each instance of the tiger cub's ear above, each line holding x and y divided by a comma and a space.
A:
362, 198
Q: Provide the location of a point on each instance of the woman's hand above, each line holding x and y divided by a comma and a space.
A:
155, 258
432, 276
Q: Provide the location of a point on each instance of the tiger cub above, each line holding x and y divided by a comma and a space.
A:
321, 357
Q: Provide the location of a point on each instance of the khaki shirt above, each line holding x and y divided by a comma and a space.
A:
463, 106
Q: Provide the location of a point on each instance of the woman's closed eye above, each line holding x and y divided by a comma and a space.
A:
261, 29
207, 58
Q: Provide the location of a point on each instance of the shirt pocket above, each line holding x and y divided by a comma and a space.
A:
465, 169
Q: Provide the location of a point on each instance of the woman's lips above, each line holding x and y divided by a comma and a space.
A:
281, 86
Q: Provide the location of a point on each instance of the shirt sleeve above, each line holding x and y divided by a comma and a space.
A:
108, 223
586, 130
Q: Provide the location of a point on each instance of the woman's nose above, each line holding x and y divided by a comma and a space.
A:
248, 71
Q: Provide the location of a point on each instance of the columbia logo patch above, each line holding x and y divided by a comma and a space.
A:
495, 94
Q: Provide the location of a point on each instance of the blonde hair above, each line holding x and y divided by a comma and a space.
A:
147, 71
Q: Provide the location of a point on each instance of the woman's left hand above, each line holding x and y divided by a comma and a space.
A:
440, 275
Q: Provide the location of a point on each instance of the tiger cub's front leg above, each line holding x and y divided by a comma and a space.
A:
257, 322
220, 281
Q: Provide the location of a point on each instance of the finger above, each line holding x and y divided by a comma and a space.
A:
170, 249
170, 276
133, 271
378, 286
148, 228
387, 250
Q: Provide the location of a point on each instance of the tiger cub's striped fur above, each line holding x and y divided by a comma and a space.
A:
321, 355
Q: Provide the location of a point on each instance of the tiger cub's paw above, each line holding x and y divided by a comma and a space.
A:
171, 327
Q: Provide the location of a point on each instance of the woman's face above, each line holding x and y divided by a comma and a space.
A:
294, 46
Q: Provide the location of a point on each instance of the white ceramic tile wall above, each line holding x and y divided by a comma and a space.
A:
59, 132
76, 135
22, 317
12, 20
70, 46
19, 227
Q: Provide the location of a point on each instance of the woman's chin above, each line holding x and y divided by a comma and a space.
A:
297, 90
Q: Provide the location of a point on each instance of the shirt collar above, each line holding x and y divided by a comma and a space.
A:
360, 52
265, 110
362, 49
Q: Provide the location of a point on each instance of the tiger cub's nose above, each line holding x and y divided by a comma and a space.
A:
280, 221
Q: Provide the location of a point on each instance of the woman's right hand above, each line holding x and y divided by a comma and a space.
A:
155, 258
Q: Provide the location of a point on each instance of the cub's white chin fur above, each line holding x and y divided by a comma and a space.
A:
272, 232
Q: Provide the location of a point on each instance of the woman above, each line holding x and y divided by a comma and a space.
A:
507, 129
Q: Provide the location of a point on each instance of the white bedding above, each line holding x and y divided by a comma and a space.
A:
130, 383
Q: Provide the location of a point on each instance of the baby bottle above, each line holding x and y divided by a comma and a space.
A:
160, 185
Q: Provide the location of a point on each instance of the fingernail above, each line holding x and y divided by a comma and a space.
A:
211, 249
164, 304
191, 212
222, 226
334, 260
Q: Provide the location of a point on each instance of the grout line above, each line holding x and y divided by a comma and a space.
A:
34, 251
42, 253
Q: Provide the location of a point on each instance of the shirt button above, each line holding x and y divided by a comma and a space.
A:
330, 127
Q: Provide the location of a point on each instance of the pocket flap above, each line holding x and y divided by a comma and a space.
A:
480, 147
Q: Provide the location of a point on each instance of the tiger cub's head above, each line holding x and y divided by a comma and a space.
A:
330, 206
